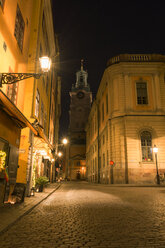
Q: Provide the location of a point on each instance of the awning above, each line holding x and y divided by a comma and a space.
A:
7, 105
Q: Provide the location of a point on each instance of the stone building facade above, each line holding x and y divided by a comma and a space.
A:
126, 120
80, 105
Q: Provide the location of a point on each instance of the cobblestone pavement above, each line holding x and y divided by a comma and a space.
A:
86, 215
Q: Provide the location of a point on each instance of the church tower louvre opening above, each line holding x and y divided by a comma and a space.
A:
80, 105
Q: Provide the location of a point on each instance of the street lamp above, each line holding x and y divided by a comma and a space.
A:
155, 150
64, 141
59, 154
11, 78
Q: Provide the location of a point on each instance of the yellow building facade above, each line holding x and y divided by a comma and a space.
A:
127, 120
27, 33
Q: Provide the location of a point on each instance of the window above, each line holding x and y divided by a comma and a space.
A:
95, 165
107, 134
103, 139
45, 35
107, 104
12, 92
37, 103
141, 89
2, 3
103, 159
42, 113
103, 112
146, 146
107, 157
19, 28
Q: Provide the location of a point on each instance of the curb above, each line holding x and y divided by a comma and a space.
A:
129, 185
28, 211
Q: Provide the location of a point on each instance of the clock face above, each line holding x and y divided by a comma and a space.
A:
80, 94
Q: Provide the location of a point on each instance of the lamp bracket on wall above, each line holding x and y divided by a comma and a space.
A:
11, 78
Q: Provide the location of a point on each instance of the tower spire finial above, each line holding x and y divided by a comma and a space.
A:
82, 61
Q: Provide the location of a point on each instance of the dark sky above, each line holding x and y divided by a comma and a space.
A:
97, 30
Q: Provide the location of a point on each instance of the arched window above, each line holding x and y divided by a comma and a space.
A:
146, 146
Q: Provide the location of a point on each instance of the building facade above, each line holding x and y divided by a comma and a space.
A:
127, 120
26, 34
80, 104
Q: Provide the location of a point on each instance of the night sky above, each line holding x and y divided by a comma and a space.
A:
97, 30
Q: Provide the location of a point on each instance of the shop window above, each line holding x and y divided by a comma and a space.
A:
4, 152
19, 28
146, 146
142, 97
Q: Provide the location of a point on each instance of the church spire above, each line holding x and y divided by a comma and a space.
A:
82, 61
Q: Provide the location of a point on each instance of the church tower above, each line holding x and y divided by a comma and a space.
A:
80, 105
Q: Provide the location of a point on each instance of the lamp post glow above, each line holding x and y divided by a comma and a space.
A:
155, 150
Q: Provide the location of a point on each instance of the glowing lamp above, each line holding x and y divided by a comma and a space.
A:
111, 162
45, 63
155, 149
64, 141
60, 154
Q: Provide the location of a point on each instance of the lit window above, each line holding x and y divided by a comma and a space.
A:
141, 89
19, 28
146, 146
37, 103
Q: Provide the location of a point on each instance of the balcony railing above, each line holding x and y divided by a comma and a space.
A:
136, 58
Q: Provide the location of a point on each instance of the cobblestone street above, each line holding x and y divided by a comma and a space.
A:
86, 215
